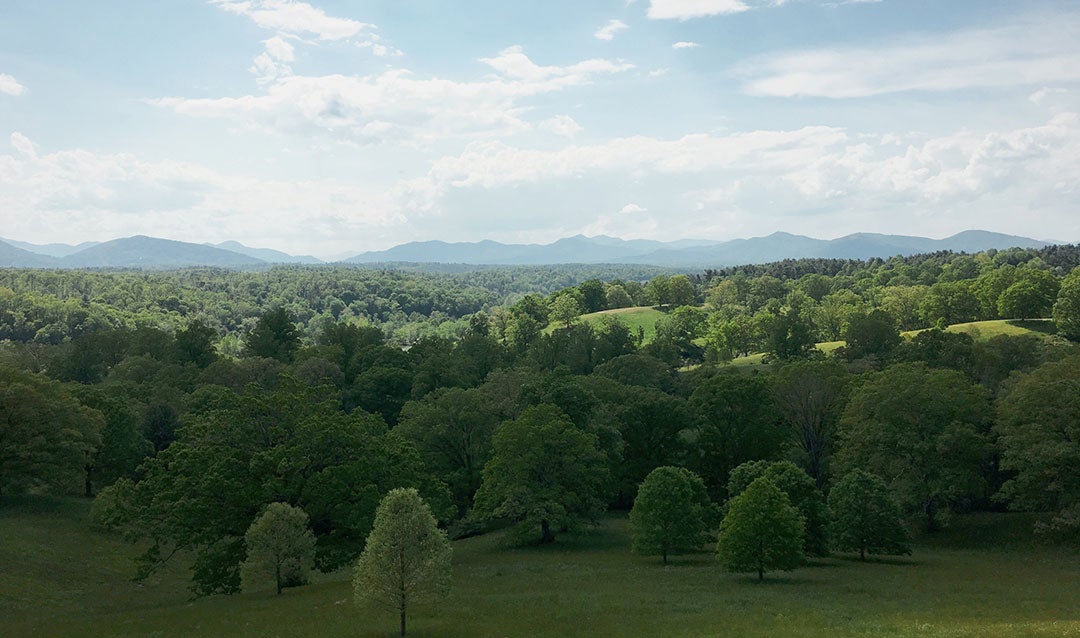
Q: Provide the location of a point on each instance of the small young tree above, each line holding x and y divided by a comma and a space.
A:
407, 557
761, 531
801, 491
866, 517
671, 513
279, 543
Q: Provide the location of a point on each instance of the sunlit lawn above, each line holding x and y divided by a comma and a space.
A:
984, 577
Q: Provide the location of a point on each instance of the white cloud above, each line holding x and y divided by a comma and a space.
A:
687, 9
279, 49
1040, 96
1035, 52
23, 145
381, 50
608, 31
814, 179
655, 73
396, 105
287, 16
10, 85
76, 195
685, 45
563, 125
631, 209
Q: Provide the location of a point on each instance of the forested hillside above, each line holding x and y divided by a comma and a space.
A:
186, 402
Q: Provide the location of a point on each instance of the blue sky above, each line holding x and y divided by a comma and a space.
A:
335, 126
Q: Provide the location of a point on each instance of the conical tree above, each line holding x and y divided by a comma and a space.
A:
761, 531
671, 513
407, 558
866, 517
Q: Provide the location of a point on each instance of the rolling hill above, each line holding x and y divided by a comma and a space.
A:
149, 252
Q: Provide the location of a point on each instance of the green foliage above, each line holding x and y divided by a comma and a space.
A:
544, 473
870, 334
866, 517
1067, 306
761, 532
280, 546
47, 438
738, 423
274, 337
801, 492
407, 558
672, 513
1039, 435
1032, 295
565, 309
810, 396
923, 428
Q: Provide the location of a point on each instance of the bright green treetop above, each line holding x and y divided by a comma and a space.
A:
407, 557
671, 514
280, 545
761, 532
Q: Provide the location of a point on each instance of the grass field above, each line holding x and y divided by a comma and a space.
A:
644, 317
978, 329
989, 329
59, 578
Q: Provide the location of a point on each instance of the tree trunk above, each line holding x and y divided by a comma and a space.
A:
862, 553
402, 621
545, 533
665, 556
760, 573
87, 484
277, 577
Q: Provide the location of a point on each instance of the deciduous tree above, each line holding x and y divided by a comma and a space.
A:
671, 513
280, 545
865, 517
407, 558
761, 531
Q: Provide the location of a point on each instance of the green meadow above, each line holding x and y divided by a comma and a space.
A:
983, 576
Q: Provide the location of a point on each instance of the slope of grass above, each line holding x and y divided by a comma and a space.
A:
644, 317
994, 328
59, 578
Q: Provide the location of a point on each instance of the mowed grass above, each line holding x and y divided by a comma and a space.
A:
643, 317
984, 577
997, 327
977, 329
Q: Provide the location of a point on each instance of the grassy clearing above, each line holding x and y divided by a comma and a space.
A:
644, 317
60, 578
997, 327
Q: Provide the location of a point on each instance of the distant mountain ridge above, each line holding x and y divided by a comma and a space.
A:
149, 252
691, 253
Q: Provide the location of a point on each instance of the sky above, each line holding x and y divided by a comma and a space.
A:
333, 127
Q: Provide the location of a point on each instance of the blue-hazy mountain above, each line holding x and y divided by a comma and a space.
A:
268, 255
149, 252
52, 250
690, 253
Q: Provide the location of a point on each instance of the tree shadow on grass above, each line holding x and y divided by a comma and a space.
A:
903, 561
1035, 325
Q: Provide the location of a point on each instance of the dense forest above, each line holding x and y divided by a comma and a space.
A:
186, 402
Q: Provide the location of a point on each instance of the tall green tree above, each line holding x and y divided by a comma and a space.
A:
801, 492
1039, 435
279, 545
274, 337
47, 438
738, 422
761, 532
810, 397
866, 517
925, 430
1067, 306
407, 558
672, 513
545, 473
1032, 295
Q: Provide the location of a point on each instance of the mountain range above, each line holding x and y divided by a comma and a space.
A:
690, 254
